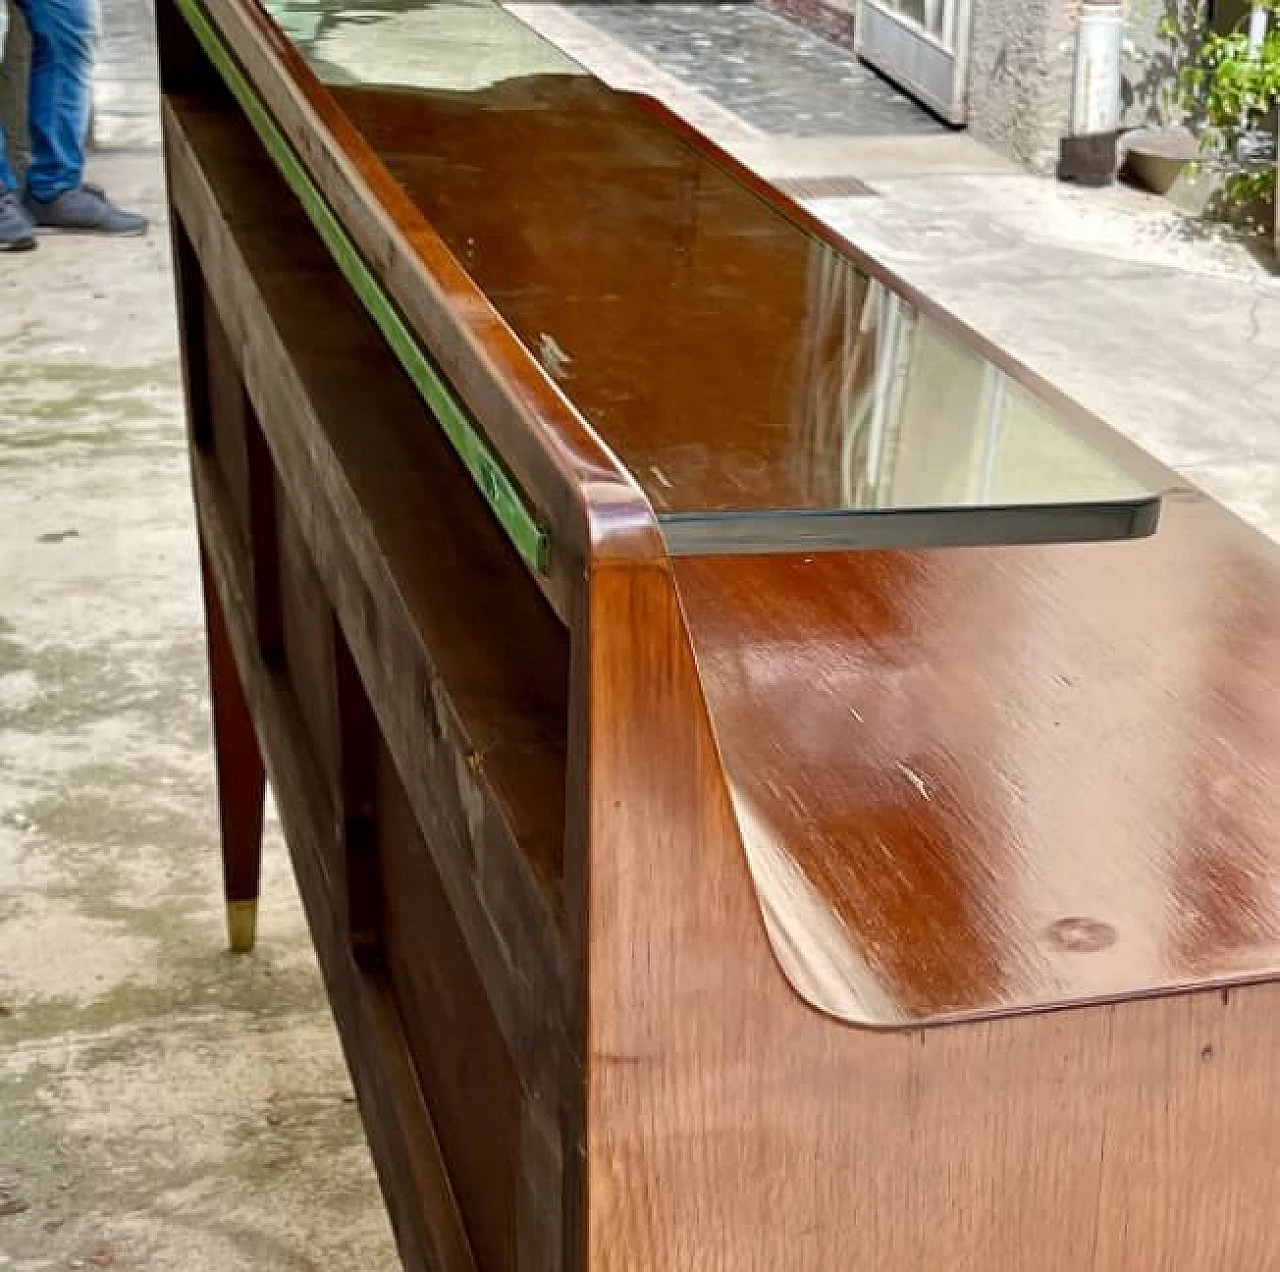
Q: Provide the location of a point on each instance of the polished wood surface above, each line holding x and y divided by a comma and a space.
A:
556, 459
541, 424
971, 782
631, 266
732, 360
581, 851
730, 1125
416, 747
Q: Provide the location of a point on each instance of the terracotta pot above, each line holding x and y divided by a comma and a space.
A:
1157, 157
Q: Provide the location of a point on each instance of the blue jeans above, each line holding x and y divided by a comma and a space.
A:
60, 94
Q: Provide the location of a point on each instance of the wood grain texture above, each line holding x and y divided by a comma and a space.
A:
731, 1126
190, 301
241, 776
369, 491
360, 810
554, 456
429, 1230
264, 541
308, 641
460, 767
228, 409
1006, 779
972, 782
468, 1073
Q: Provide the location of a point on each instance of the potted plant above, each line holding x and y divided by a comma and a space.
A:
1224, 84
1233, 86
1158, 154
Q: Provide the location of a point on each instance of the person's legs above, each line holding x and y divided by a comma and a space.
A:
7, 179
15, 75
63, 33
6, 176
62, 38
15, 226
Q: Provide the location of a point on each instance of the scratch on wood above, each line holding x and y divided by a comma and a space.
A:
915, 779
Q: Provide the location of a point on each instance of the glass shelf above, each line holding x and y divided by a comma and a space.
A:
764, 391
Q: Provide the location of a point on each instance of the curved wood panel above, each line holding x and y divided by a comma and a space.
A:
731, 1126
974, 782
908, 789
576, 486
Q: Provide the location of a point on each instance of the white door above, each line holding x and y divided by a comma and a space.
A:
922, 45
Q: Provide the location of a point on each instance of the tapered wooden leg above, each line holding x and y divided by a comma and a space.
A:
241, 777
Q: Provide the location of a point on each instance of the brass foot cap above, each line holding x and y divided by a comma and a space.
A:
242, 924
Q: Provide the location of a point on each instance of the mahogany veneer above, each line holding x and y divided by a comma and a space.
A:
850, 910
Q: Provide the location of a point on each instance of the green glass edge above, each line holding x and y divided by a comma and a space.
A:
505, 501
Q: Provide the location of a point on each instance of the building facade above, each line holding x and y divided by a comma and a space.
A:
1003, 69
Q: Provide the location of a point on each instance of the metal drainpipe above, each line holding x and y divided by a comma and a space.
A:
1258, 18
1095, 98
1088, 153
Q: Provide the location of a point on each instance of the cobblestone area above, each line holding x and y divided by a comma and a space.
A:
770, 72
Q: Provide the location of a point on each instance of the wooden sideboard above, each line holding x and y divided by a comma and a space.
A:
698, 891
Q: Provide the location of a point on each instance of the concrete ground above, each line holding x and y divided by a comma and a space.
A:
164, 1105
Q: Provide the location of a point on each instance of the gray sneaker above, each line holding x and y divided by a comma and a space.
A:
15, 227
84, 210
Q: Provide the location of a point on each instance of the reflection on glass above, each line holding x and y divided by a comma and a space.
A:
890, 411
937, 17
459, 45
912, 10
741, 368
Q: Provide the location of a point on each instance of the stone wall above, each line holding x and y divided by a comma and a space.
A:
1022, 63
1149, 88
1021, 59
1153, 60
